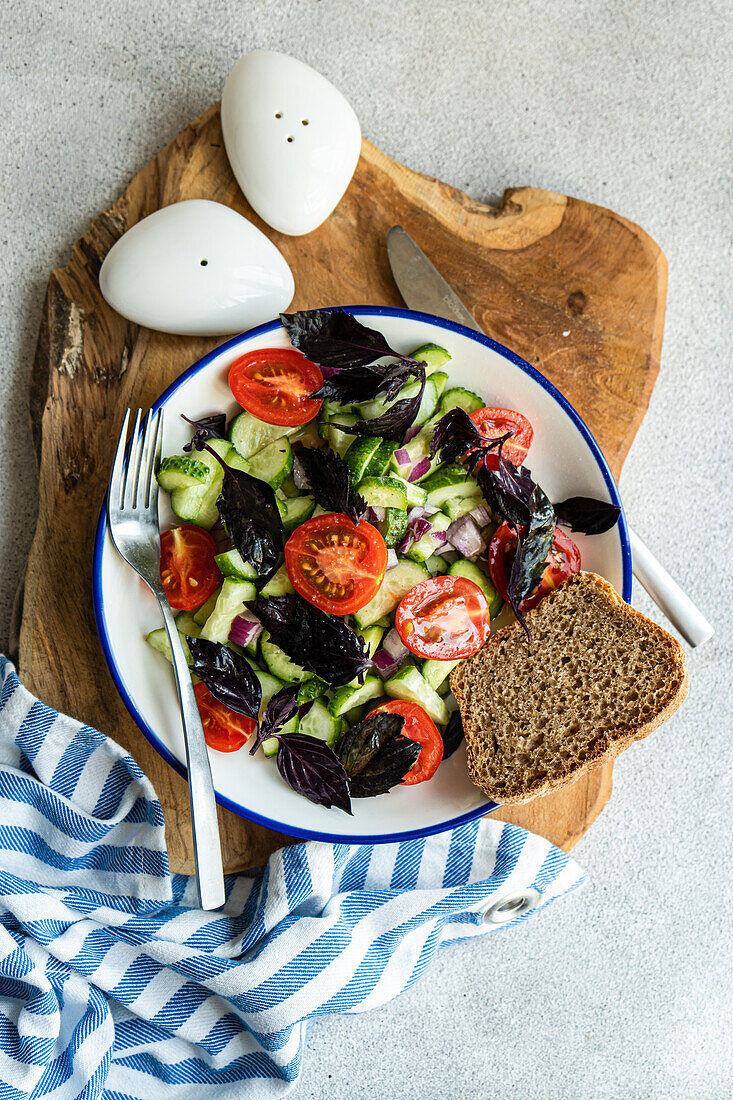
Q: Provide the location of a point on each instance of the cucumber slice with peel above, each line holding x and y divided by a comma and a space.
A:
381, 458
458, 398
248, 435
383, 492
232, 564
320, 723
198, 503
427, 545
201, 615
158, 639
279, 584
181, 472
294, 511
396, 584
410, 685
231, 602
449, 483
432, 355
354, 695
394, 526
435, 673
359, 456
274, 463
280, 664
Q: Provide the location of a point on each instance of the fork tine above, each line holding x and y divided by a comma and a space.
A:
118, 468
149, 483
133, 464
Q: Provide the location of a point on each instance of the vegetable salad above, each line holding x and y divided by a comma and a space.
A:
346, 539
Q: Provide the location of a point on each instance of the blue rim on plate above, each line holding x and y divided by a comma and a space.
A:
99, 542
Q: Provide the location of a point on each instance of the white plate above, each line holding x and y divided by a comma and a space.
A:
565, 460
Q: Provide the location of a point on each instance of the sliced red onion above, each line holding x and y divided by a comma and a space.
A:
429, 510
394, 645
480, 515
465, 536
439, 536
419, 470
385, 665
416, 528
392, 560
416, 512
244, 630
402, 456
412, 432
376, 515
449, 555
299, 475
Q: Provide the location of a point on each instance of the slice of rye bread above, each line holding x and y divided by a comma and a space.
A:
597, 676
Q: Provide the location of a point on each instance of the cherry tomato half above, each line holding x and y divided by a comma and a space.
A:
187, 567
419, 727
562, 561
273, 384
494, 423
335, 564
444, 618
224, 729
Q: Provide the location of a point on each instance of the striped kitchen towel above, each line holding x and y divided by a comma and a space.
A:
114, 984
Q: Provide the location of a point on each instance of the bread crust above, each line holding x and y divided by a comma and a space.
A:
612, 743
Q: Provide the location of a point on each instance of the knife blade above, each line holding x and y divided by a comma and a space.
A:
424, 288
421, 284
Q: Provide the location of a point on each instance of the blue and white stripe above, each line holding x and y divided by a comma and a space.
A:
113, 983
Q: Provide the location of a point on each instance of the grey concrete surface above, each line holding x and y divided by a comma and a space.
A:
623, 990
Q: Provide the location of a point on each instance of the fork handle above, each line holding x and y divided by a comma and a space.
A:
204, 821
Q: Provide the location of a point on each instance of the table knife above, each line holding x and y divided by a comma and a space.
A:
424, 288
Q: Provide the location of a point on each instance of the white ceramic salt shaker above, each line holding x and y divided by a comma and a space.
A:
292, 140
196, 268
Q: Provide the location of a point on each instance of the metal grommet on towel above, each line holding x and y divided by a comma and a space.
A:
511, 906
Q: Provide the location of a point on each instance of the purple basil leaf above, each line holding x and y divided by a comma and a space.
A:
320, 643
452, 734
533, 546
249, 509
375, 754
507, 490
208, 427
396, 421
586, 515
355, 384
329, 478
280, 709
459, 440
312, 769
333, 338
227, 675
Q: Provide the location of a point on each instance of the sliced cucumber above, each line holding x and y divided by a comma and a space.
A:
273, 463
435, 673
396, 584
427, 545
186, 624
394, 526
312, 689
295, 511
384, 492
372, 636
198, 504
158, 639
449, 483
458, 398
289, 489
472, 572
205, 610
279, 584
436, 564
434, 387
339, 441
269, 747
409, 684
360, 454
181, 472
280, 664
232, 564
320, 723
248, 435
432, 355
455, 508
381, 459
354, 695
229, 604
414, 493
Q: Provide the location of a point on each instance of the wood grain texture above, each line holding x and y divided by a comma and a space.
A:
574, 288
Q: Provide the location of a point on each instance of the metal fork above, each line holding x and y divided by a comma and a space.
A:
132, 510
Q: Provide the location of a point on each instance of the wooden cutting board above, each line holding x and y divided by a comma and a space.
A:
575, 289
